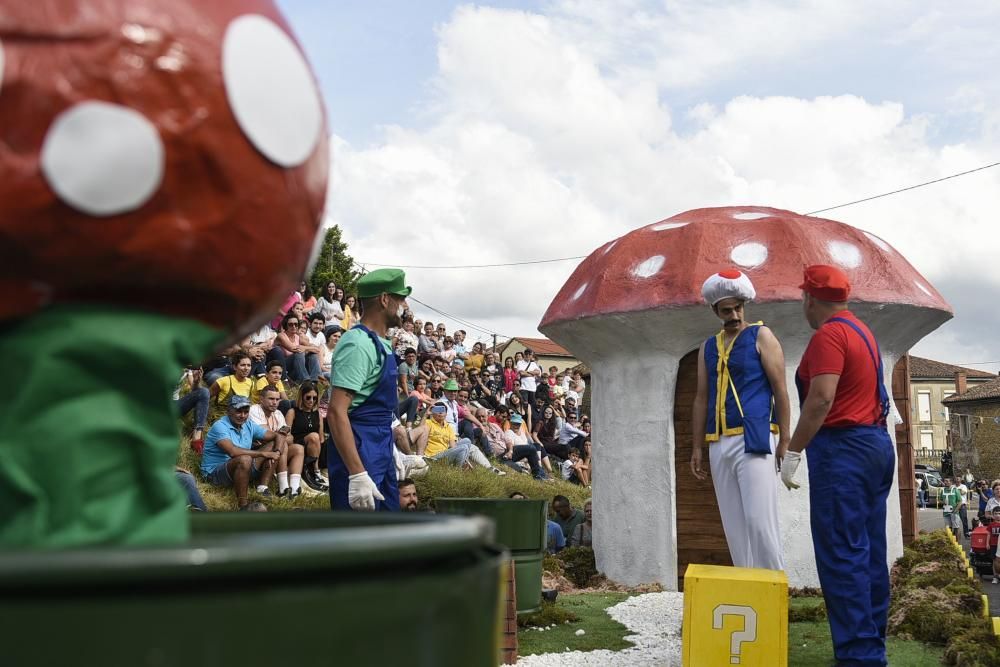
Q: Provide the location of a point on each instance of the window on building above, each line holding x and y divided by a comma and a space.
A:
923, 406
927, 438
964, 426
947, 415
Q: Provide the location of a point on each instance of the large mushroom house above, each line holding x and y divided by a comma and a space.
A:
163, 171
633, 311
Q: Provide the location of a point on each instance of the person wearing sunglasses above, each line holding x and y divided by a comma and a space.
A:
230, 460
307, 430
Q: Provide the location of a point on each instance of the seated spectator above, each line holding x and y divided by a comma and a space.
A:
265, 413
481, 391
408, 500
404, 339
490, 364
428, 345
329, 306
315, 339
333, 334
469, 425
575, 470
190, 486
448, 353
443, 444
307, 298
291, 350
191, 395
571, 410
582, 535
260, 346
546, 433
516, 404
238, 384
475, 359
441, 369
437, 388
519, 445
230, 459
408, 371
570, 436
275, 369
577, 387
567, 517
351, 314
307, 430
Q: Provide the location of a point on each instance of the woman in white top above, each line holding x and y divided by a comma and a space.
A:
328, 306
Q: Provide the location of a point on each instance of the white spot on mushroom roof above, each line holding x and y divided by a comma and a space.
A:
922, 288
579, 292
649, 267
877, 241
610, 246
750, 215
749, 255
270, 90
664, 226
103, 159
845, 254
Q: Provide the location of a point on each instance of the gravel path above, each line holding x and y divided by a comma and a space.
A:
654, 618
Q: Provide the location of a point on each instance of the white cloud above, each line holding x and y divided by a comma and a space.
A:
548, 137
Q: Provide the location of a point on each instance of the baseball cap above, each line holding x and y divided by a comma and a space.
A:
383, 281
516, 418
826, 282
236, 401
451, 385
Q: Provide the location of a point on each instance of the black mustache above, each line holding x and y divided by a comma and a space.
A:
728, 322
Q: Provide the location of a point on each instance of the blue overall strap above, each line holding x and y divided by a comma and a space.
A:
880, 392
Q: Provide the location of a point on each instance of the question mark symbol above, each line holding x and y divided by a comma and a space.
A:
747, 634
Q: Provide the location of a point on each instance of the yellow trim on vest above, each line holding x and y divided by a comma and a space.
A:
723, 382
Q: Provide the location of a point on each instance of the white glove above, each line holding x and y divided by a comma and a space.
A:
789, 465
362, 492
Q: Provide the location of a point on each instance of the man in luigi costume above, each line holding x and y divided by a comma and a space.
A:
364, 379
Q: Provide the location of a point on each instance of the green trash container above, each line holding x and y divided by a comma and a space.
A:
317, 588
520, 526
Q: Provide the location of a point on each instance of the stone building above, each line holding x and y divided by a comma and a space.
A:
975, 430
930, 383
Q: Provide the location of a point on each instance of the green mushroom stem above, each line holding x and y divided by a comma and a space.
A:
88, 429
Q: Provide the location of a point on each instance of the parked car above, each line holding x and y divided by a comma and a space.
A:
935, 485
920, 466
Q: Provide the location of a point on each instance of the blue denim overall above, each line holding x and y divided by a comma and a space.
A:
850, 474
371, 424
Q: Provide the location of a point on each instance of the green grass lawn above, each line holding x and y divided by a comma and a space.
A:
602, 631
809, 643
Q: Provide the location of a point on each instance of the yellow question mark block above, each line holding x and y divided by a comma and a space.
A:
735, 616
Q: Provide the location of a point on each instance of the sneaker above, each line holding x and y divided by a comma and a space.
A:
324, 476
497, 471
286, 493
995, 581
294, 494
314, 481
266, 493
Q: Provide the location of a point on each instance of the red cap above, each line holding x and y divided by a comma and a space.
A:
826, 282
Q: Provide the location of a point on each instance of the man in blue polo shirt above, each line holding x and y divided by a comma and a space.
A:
231, 460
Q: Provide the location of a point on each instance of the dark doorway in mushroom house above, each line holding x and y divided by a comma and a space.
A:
700, 538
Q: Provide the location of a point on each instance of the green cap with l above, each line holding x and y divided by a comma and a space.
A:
383, 281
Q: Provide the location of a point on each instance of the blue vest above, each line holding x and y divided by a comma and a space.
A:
737, 368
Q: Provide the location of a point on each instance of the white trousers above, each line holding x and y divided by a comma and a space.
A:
747, 488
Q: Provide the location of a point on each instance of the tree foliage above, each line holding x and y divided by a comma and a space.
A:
334, 263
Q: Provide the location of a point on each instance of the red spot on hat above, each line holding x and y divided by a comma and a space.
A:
731, 274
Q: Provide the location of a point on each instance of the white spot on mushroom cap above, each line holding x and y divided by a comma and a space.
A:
102, 158
877, 241
270, 90
845, 254
649, 267
922, 288
664, 226
579, 292
610, 246
749, 255
750, 215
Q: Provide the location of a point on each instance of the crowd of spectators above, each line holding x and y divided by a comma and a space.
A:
259, 407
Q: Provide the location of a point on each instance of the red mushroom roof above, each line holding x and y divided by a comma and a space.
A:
165, 155
665, 263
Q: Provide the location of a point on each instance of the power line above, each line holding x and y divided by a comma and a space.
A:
566, 259
479, 266
912, 187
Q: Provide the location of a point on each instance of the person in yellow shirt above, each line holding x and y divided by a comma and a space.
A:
443, 444
275, 369
238, 384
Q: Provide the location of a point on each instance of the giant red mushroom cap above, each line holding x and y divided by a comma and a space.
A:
664, 264
167, 155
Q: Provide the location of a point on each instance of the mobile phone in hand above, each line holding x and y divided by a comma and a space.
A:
284, 429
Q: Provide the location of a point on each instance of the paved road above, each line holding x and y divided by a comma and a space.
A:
933, 519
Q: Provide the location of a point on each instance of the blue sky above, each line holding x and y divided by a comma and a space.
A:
514, 131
